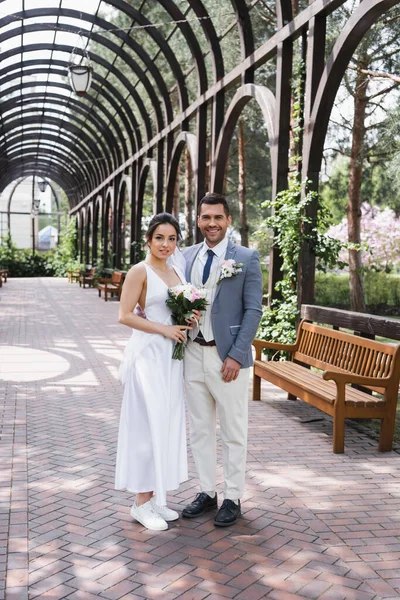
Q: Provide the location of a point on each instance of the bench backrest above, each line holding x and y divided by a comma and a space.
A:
325, 348
117, 277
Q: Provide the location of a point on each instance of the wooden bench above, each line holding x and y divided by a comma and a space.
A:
88, 278
111, 286
345, 360
73, 275
3, 275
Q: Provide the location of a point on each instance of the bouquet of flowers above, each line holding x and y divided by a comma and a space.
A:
184, 298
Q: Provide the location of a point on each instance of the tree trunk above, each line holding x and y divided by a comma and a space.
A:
188, 200
357, 302
243, 224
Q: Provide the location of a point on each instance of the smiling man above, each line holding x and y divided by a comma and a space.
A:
218, 358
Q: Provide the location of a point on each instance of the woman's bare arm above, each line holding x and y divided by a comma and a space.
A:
132, 291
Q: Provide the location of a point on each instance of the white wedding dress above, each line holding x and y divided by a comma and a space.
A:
151, 452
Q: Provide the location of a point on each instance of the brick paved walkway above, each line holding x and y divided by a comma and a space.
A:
315, 525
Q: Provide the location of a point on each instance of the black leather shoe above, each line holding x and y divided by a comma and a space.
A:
201, 504
228, 513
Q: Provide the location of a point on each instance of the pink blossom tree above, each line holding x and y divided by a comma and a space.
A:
380, 238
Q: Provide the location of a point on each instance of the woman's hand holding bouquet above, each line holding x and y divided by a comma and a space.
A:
183, 300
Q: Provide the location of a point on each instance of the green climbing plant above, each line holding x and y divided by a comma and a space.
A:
64, 257
289, 214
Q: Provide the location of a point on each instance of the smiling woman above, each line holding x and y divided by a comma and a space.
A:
151, 457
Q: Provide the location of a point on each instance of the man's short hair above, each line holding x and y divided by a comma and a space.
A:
214, 198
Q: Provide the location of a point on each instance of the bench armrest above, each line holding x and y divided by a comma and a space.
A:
343, 378
260, 345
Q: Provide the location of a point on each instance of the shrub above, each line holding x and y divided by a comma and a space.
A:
382, 291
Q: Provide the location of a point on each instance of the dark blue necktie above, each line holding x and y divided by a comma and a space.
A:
207, 266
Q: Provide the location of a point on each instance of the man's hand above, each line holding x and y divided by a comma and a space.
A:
230, 369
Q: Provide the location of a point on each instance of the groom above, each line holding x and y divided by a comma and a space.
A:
217, 360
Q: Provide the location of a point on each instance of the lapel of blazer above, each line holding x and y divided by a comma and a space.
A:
193, 252
230, 253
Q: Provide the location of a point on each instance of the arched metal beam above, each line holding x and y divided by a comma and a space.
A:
58, 175
266, 101
365, 15
124, 185
96, 37
148, 165
20, 162
11, 125
108, 233
93, 133
211, 35
184, 139
114, 98
107, 90
97, 222
194, 46
133, 127
56, 99
19, 181
29, 159
153, 32
47, 138
245, 34
284, 12
63, 123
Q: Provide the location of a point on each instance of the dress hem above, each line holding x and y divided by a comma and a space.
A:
172, 489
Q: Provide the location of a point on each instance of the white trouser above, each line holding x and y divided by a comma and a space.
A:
206, 393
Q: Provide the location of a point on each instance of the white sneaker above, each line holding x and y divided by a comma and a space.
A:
166, 513
148, 517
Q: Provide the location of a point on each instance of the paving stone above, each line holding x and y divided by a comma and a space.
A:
315, 524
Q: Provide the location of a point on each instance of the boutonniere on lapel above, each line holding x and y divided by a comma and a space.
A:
229, 268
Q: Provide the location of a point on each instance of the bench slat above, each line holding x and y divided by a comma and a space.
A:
313, 383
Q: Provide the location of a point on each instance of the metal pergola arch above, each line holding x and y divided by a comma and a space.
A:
144, 132
131, 128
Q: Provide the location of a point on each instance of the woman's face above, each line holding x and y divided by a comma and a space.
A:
163, 242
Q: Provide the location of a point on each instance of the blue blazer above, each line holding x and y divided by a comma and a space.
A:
237, 306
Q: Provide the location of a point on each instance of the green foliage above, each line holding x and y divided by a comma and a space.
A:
290, 215
23, 263
380, 187
139, 253
64, 257
382, 291
278, 323
292, 227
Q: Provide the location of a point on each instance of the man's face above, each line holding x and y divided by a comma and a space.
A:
213, 223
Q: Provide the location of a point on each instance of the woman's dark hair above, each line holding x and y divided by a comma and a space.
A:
214, 198
162, 219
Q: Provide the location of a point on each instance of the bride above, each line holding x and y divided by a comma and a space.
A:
151, 453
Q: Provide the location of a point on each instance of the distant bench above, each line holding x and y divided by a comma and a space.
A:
111, 286
88, 278
345, 360
3, 275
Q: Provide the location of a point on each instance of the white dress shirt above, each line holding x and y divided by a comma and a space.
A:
211, 284
219, 252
